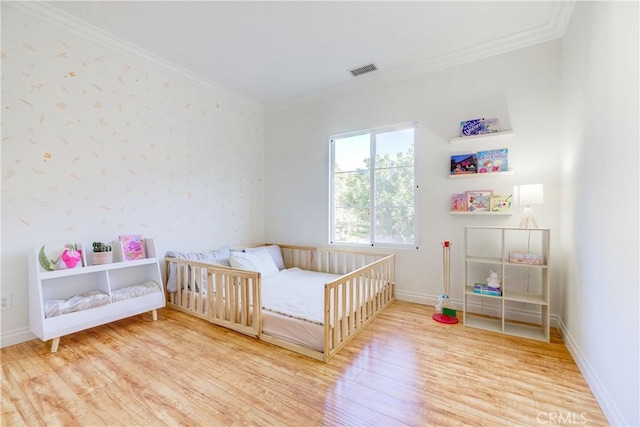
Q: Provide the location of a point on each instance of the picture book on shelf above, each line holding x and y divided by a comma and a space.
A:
463, 164
501, 203
132, 247
484, 289
478, 200
493, 160
478, 126
459, 202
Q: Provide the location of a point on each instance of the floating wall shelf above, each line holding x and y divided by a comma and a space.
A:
476, 175
483, 136
487, 213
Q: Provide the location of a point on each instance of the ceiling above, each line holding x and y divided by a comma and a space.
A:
271, 52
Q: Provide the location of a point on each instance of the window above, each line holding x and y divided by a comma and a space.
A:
372, 187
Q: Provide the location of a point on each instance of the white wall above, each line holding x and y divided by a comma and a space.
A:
520, 88
97, 142
600, 227
122, 145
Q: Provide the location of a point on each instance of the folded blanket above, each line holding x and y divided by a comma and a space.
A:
135, 291
53, 308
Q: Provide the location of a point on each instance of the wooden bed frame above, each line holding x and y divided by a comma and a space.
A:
367, 286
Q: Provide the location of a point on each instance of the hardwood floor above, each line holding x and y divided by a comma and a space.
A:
403, 369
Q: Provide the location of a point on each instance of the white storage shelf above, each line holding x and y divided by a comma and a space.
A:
520, 283
63, 284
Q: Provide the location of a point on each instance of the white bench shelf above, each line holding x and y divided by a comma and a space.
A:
63, 284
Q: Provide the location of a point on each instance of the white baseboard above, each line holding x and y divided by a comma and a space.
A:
416, 297
522, 315
16, 336
605, 401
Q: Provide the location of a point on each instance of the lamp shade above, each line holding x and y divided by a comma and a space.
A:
528, 194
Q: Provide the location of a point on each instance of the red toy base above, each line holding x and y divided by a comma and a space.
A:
443, 318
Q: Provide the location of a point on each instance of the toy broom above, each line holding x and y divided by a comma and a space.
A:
446, 310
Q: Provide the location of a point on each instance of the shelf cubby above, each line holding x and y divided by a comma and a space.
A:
488, 248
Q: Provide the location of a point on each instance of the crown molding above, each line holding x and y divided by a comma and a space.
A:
554, 29
63, 20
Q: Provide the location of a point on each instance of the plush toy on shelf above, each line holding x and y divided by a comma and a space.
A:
493, 281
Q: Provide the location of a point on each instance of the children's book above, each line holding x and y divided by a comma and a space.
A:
463, 164
478, 200
478, 126
133, 247
459, 202
493, 160
501, 203
482, 288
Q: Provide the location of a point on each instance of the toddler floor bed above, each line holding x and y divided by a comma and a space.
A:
308, 300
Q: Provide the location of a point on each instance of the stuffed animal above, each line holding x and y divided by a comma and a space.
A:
441, 302
70, 258
493, 280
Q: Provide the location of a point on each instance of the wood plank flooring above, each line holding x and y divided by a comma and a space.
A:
403, 369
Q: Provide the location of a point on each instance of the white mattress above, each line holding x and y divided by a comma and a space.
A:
293, 306
296, 293
296, 331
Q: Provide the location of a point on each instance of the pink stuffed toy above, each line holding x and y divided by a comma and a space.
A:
69, 258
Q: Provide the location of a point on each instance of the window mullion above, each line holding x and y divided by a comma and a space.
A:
372, 181
332, 190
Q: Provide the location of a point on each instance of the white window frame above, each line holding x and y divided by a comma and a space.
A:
372, 151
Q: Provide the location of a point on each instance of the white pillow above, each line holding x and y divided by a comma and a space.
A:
258, 260
274, 251
216, 256
224, 262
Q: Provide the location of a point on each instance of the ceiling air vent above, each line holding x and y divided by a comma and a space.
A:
362, 70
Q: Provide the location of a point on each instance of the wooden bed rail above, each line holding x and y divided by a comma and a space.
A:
354, 300
232, 298
327, 260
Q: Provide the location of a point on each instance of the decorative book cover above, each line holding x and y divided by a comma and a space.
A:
459, 202
478, 126
530, 258
463, 164
482, 288
133, 247
493, 160
501, 203
478, 200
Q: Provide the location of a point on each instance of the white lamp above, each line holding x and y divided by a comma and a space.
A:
529, 194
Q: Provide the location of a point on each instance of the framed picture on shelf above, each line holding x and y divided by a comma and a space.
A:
478, 200
463, 164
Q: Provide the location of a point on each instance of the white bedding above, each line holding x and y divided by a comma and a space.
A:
53, 308
296, 293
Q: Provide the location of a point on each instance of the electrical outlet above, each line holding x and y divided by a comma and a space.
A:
5, 302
